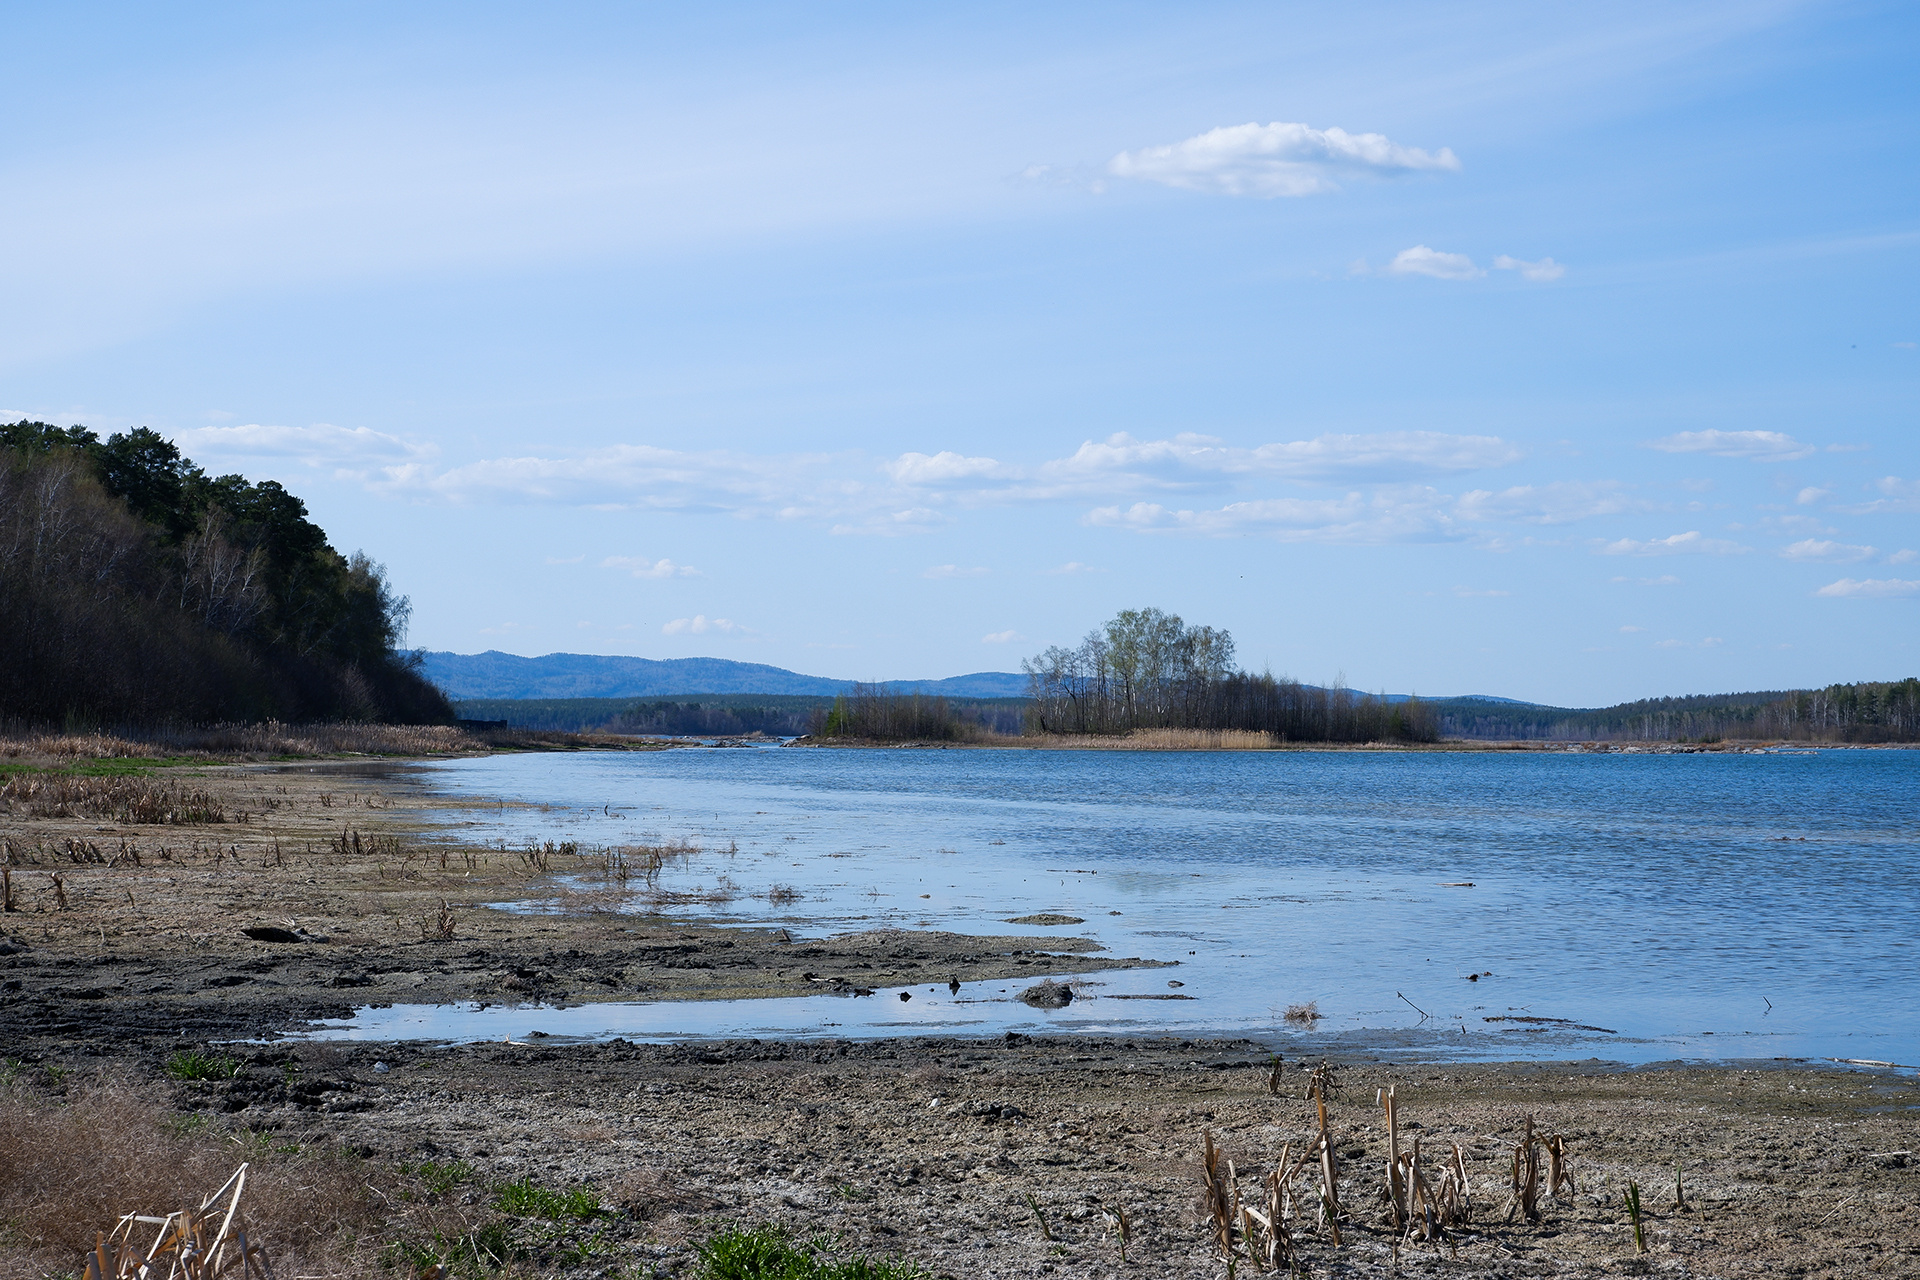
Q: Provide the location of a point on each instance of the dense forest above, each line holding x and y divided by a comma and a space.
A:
137, 589
1864, 712
1146, 669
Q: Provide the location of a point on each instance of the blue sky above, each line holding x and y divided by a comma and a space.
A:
1562, 354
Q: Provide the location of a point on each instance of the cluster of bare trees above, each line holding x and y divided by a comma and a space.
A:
1146, 669
135, 589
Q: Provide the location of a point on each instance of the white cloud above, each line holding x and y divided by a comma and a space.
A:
1897, 495
1405, 514
1542, 271
1422, 261
1001, 637
945, 467
1559, 503
1761, 446
1664, 580
1073, 566
641, 567
953, 571
352, 452
1904, 557
910, 493
1808, 526
1691, 542
1189, 458
1872, 588
890, 524
1815, 549
1275, 160
1810, 495
699, 625
625, 475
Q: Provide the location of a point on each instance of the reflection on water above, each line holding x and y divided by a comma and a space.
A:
1700, 905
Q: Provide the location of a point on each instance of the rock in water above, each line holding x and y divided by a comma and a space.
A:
1048, 995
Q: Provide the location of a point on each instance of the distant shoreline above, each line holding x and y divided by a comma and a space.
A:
1541, 746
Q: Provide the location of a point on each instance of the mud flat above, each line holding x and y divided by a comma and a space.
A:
949, 1151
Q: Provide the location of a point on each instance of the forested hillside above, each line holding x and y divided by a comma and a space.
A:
573, 676
136, 588
1870, 711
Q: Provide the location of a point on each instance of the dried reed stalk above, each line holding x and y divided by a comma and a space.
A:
1423, 1207
1525, 1182
1396, 1186
183, 1248
1115, 1216
440, 925
1214, 1197
1633, 1215
1560, 1175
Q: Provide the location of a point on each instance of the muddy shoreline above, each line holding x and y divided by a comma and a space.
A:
947, 1150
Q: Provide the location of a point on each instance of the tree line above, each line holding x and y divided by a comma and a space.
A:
1868, 711
135, 588
1147, 669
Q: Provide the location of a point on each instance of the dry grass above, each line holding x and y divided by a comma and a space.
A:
131, 801
272, 739
69, 746
1304, 1015
244, 741
71, 1166
1158, 740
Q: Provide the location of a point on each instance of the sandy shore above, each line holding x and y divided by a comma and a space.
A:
935, 1149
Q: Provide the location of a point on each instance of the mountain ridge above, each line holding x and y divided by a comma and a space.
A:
494, 674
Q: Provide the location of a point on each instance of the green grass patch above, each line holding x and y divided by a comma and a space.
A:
189, 1124
473, 1253
773, 1253
438, 1177
192, 1064
527, 1199
102, 767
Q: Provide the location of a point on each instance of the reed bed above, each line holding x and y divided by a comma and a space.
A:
133, 801
1157, 740
1427, 1195
245, 741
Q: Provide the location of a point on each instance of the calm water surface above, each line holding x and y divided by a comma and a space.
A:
1703, 906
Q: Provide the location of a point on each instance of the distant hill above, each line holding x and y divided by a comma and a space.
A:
584, 675
708, 715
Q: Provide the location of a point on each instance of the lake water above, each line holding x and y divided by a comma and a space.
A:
1694, 906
